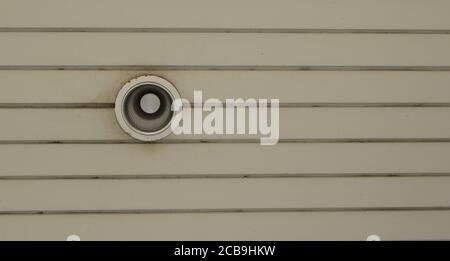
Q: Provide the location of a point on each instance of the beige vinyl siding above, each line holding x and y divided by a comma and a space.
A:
296, 225
215, 194
213, 50
296, 124
364, 87
222, 159
93, 87
219, 14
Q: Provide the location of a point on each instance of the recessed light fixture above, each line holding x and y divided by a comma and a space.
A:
144, 107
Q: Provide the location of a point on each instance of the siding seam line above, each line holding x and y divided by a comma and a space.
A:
225, 176
218, 30
221, 211
222, 68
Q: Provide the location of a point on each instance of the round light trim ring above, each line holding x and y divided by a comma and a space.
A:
120, 106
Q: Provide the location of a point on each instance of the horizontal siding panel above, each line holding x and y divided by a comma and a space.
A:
292, 14
213, 194
223, 159
295, 123
288, 86
222, 49
389, 225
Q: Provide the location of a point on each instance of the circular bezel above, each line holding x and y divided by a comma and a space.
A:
122, 97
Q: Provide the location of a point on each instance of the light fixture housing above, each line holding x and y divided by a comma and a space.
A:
144, 107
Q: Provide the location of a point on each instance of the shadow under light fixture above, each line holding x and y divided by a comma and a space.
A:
144, 107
